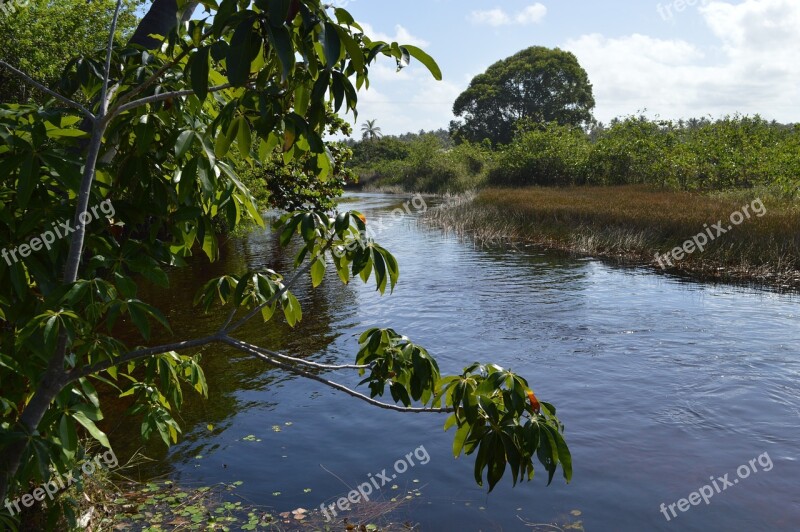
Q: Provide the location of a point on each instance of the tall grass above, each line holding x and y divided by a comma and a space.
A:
637, 223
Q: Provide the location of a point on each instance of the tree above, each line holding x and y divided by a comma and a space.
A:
539, 84
149, 184
370, 131
296, 185
41, 37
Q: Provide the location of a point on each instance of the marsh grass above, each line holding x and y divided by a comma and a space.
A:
634, 223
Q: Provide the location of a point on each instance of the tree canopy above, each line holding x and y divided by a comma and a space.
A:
537, 84
42, 36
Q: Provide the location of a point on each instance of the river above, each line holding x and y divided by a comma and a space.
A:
663, 384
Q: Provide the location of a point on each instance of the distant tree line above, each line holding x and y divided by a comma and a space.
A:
528, 121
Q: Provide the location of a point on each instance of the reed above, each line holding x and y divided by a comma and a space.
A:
635, 224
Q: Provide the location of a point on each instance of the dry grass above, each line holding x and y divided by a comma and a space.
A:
635, 223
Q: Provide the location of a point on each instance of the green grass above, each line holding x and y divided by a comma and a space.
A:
634, 223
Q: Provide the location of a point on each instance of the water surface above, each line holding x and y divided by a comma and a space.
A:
661, 384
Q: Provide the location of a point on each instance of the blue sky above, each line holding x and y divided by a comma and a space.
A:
674, 59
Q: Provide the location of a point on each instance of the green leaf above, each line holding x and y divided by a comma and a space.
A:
206, 176
281, 41
426, 60
317, 272
89, 425
139, 317
302, 97
244, 137
278, 11
200, 71
332, 45
564, 456
28, 178
51, 329
184, 143
460, 438
244, 46
68, 436
291, 309
352, 47
90, 392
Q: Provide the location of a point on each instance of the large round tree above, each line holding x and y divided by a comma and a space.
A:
539, 84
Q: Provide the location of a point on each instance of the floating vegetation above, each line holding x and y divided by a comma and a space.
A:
563, 524
165, 506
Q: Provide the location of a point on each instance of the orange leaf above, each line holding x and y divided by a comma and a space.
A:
534, 402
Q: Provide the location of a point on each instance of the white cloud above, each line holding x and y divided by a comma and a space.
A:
408, 100
492, 17
401, 35
752, 68
531, 14
498, 17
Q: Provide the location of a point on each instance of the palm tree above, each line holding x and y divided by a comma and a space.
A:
371, 131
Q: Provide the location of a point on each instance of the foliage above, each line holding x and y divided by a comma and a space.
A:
737, 152
442, 134
167, 128
730, 153
547, 154
379, 150
423, 164
295, 185
43, 36
538, 83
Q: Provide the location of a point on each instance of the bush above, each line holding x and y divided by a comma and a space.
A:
632, 151
736, 152
546, 155
426, 163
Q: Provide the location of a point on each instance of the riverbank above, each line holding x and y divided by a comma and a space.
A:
733, 237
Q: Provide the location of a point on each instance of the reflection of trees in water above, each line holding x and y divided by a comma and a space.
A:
229, 371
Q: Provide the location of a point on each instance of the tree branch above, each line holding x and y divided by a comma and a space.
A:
334, 385
63, 99
107, 70
158, 73
294, 360
160, 98
78, 373
300, 271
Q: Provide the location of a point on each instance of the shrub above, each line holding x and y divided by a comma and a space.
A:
546, 155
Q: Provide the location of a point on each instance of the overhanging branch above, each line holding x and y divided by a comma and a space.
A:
300, 271
342, 388
63, 99
294, 360
78, 373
